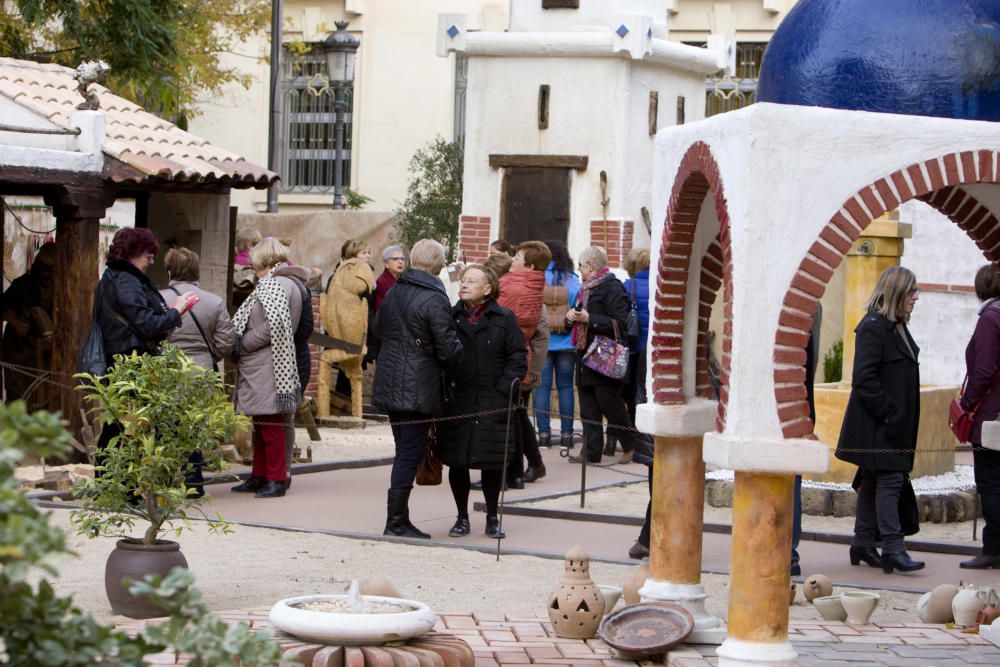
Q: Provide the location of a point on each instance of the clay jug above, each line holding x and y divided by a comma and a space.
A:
635, 581
576, 606
966, 605
990, 612
817, 586
935, 606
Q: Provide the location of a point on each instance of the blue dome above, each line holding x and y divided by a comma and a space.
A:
917, 57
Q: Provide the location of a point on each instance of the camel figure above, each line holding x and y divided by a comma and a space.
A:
345, 317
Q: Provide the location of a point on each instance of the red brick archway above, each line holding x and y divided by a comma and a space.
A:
697, 177
938, 182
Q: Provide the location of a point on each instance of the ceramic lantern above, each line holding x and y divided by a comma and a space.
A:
576, 606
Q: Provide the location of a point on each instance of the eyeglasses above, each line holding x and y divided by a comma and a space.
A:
395, 259
915, 292
150, 256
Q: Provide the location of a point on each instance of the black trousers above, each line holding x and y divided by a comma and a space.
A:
644, 532
878, 509
604, 401
461, 484
410, 442
986, 464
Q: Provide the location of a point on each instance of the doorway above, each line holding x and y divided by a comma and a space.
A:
535, 204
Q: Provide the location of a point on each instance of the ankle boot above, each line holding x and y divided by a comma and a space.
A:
610, 443
461, 527
900, 561
270, 490
249, 485
566, 440
867, 554
493, 527
545, 440
398, 516
534, 473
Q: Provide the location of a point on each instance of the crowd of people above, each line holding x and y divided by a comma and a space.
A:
526, 321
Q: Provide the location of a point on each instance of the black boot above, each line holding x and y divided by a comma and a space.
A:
867, 554
900, 561
545, 440
270, 490
461, 527
398, 516
566, 440
249, 485
610, 443
493, 527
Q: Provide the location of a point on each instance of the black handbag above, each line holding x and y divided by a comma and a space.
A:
909, 511
632, 328
93, 360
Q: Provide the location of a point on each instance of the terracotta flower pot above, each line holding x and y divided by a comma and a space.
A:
133, 560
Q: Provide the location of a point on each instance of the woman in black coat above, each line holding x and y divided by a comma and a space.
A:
493, 362
601, 309
883, 413
418, 343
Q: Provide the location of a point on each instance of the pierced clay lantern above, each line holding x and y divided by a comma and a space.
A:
576, 606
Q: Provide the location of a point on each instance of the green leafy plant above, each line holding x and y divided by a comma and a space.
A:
39, 627
434, 196
169, 409
354, 200
833, 362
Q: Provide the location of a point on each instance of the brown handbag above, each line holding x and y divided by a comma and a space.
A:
429, 470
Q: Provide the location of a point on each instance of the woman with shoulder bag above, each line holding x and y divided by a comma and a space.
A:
418, 343
561, 288
601, 310
492, 365
879, 433
982, 360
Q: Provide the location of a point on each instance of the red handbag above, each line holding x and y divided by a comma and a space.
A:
960, 420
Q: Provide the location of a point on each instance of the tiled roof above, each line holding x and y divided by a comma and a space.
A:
154, 148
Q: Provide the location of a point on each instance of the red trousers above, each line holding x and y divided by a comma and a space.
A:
269, 447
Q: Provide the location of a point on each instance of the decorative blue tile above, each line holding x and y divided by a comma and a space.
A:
622, 31
453, 32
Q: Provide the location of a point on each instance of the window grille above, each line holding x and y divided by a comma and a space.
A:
725, 93
308, 141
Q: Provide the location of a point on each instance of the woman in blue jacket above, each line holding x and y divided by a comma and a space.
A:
561, 288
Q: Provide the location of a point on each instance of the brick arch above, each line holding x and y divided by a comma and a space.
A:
696, 179
937, 182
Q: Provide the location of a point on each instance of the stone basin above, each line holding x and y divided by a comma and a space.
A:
352, 628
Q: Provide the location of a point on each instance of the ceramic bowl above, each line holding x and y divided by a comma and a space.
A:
646, 628
830, 608
859, 606
611, 595
351, 629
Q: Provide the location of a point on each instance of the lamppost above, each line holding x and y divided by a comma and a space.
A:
341, 50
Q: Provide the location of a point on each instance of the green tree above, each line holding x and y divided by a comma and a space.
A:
162, 53
434, 196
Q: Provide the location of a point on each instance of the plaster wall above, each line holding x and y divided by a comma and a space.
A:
528, 15
748, 20
199, 222
778, 163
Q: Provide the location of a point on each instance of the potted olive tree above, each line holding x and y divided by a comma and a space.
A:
170, 411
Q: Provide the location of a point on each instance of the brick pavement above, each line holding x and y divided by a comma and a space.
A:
499, 640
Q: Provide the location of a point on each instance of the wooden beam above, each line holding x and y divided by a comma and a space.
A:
578, 162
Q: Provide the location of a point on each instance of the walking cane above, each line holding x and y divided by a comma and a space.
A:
506, 450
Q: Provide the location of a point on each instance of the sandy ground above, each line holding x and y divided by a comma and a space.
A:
335, 444
254, 567
631, 500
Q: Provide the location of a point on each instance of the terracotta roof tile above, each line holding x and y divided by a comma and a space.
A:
136, 137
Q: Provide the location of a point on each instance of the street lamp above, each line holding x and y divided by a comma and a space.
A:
341, 50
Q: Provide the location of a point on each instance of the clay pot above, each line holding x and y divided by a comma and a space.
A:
134, 560
935, 605
988, 614
634, 582
830, 608
817, 586
859, 606
791, 594
967, 604
379, 586
611, 596
576, 606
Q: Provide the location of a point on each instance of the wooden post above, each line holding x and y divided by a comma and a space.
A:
78, 211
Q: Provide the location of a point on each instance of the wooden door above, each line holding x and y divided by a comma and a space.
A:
535, 204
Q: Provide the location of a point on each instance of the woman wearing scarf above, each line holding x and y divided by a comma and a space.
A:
493, 360
602, 300
267, 387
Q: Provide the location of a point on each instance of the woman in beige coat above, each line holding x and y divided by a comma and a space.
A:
267, 385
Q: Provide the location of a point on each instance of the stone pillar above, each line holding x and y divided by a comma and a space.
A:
759, 576
78, 211
678, 510
879, 247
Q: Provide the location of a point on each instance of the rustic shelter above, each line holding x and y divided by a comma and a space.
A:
81, 159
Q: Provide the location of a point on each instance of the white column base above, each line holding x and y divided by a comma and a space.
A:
739, 653
708, 629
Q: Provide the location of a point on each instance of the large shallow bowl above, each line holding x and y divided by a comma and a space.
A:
646, 628
351, 629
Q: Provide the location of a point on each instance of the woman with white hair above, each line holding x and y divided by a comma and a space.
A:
394, 260
418, 343
267, 386
601, 309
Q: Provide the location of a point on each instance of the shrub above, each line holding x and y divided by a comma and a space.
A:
833, 362
433, 201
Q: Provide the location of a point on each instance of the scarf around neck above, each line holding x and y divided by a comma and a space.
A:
272, 298
601, 276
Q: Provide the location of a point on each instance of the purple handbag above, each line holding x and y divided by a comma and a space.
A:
607, 356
